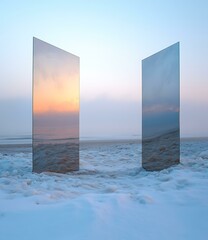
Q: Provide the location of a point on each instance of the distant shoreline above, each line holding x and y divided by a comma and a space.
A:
83, 141
186, 139
27, 147
15, 148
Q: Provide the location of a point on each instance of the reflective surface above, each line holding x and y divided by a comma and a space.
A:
160, 109
55, 109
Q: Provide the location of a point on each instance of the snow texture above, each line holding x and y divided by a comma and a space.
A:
111, 197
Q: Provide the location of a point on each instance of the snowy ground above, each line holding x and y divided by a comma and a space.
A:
111, 197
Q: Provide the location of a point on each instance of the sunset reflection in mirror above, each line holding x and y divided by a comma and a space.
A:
55, 109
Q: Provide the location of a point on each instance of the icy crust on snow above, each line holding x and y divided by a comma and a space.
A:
111, 197
107, 168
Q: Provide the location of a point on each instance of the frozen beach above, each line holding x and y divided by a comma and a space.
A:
111, 197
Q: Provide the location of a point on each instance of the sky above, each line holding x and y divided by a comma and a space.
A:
111, 38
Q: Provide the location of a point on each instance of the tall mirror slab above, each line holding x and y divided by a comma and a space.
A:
160, 109
55, 109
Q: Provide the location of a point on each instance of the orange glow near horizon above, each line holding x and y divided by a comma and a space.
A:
56, 80
52, 98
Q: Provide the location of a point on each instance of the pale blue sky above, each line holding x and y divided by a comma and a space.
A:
111, 38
